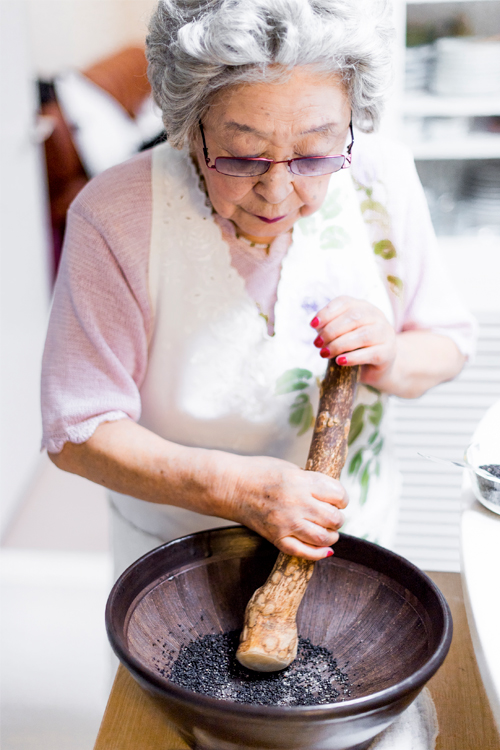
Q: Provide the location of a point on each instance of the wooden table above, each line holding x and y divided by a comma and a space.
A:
133, 722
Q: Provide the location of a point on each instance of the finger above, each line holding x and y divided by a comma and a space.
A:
314, 534
328, 490
349, 321
373, 355
325, 517
318, 518
362, 337
292, 546
317, 526
347, 345
334, 308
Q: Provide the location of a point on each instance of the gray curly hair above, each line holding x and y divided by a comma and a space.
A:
195, 48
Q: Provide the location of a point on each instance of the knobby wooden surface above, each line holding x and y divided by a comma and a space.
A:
133, 722
328, 451
269, 637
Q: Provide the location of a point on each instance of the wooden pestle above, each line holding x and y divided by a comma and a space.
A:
269, 638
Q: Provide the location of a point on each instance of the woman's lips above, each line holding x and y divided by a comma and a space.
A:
270, 221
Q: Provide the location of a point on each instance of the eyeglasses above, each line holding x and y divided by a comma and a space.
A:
305, 166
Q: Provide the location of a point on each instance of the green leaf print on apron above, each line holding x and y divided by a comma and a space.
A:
365, 438
366, 418
301, 410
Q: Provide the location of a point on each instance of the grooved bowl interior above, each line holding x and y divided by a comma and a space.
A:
378, 614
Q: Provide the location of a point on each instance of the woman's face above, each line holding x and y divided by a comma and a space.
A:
307, 115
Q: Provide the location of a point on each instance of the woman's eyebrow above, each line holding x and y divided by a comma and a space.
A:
328, 128
239, 127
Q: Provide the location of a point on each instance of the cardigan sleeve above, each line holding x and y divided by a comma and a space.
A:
424, 297
95, 354
431, 301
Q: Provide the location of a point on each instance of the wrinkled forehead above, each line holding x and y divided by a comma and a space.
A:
304, 104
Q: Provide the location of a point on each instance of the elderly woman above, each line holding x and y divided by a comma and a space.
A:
205, 283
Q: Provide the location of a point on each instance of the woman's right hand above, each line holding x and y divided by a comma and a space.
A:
298, 511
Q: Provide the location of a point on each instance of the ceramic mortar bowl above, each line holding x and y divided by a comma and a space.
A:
374, 610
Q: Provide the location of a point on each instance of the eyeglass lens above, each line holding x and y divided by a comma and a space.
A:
305, 167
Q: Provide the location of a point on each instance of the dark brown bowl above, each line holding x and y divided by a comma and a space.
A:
374, 610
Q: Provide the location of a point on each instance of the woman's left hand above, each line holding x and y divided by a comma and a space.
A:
356, 332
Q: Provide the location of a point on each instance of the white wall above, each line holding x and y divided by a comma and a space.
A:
24, 288
77, 33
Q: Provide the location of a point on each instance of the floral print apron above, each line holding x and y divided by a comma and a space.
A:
217, 379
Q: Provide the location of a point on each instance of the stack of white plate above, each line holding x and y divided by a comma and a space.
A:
418, 62
482, 191
466, 66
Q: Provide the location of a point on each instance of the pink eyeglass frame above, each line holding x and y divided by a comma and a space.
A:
347, 158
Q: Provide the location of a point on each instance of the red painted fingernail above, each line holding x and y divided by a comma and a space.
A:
325, 353
341, 360
318, 341
329, 553
315, 323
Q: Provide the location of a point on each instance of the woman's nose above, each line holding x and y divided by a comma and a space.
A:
276, 184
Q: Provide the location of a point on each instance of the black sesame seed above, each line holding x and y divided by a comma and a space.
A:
208, 666
492, 468
488, 487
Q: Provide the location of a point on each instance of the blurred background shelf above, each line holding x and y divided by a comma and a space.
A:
425, 104
473, 146
446, 108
